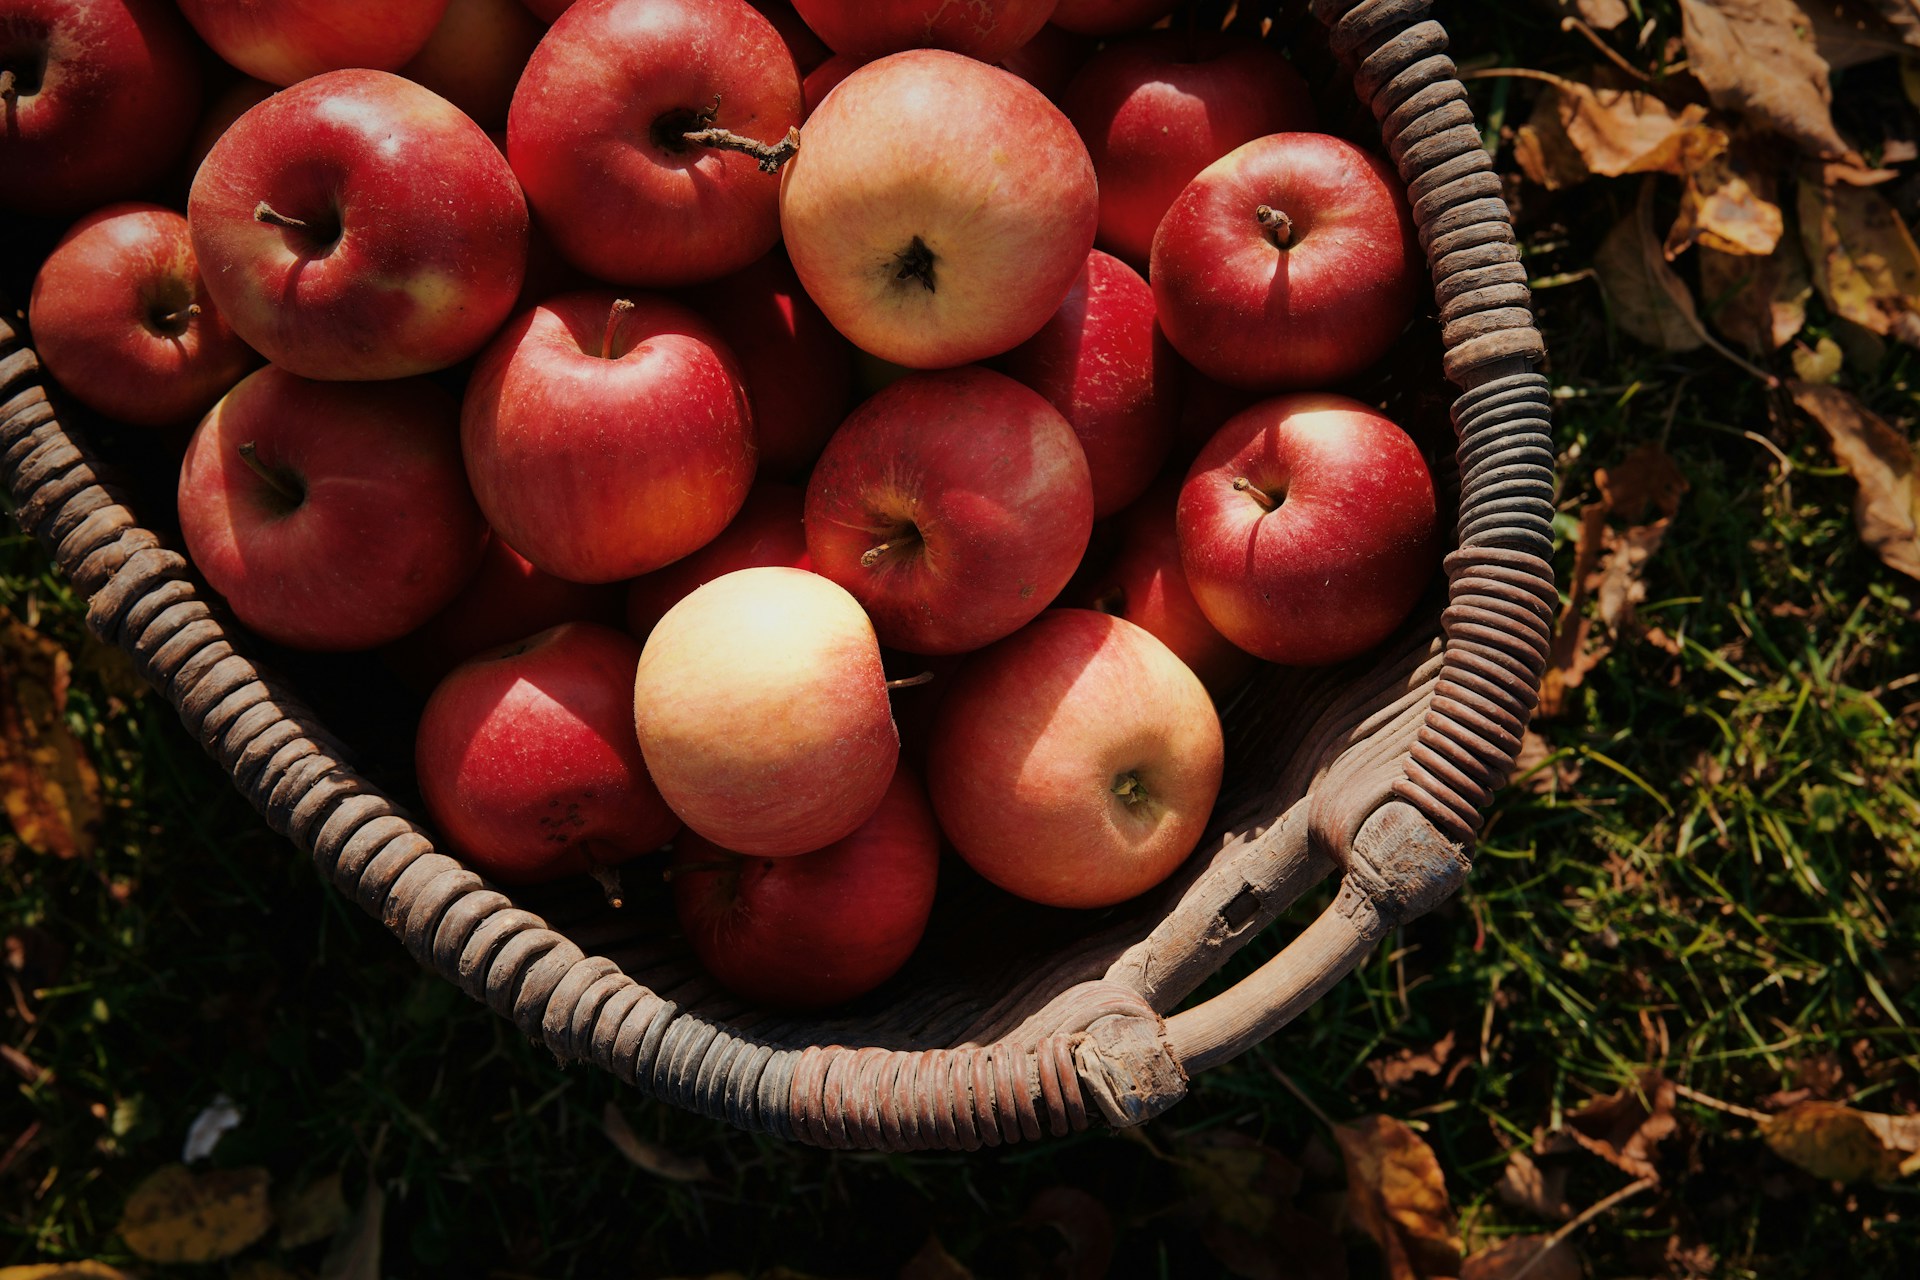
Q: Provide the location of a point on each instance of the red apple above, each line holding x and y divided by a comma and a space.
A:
1156, 110
607, 437
761, 707
1110, 17
800, 933
808, 49
823, 79
121, 319
768, 531
330, 515
359, 226
1308, 529
507, 599
283, 41
599, 127
954, 506
985, 29
1076, 763
1288, 263
1103, 363
527, 761
1050, 60
799, 372
1145, 584
238, 98
939, 210
97, 100
475, 56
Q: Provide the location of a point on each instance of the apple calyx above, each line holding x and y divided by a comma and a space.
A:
264, 212
1278, 226
278, 479
916, 263
907, 682
907, 538
1266, 500
1130, 789
609, 881
615, 314
770, 155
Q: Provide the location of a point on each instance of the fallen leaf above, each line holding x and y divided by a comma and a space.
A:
1720, 208
1603, 15
1758, 57
1624, 1128
1399, 1069
1577, 130
355, 1251
1843, 1145
1887, 508
1645, 478
1535, 751
64, 1271
1244, 1190
1645, 296
1901, 16
1397, 1194
1573, 652
1761, 303
1846, 36
1864, 260
313, 1213
1082, 1222
933, 1262
1525, 1185
1506, 1260
1621, 589
1819, 364
50, 788
658, 1161
176, 1215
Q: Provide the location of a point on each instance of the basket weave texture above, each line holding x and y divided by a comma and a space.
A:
1379, 771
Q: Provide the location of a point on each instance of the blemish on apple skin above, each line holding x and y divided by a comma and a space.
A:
1026, 590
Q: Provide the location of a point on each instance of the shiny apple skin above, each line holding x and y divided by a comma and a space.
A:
475, 56
1145, 583
761, 706
506, 600
1253, 314
1110, 17
285, 41
982, 488
917, 149
985, 29
619, 203
1157, 109
770, 530
1341, 561
107, 95
417, 239
1038, 731
1104, 364
798, 370
385, 535
109, 318
527, 760
806, 932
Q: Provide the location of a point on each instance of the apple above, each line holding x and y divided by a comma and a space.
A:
527, 760
801, 933
289, 40
939, 210
826, 77
761, 708
1076, 762
1157, 109
798, 370
1110, 17
1308, 529
97, 100
985, 29
238, 98
1288, 263
606, 437
475, 56
1103, 363
601, 136
954, 506
358, 226
768, 531
1145, 584
507, 599
1050, 60
330, 515
123, 322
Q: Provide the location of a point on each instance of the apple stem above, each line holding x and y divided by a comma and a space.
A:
1129, 788
615, 314
178, 319
871, 556
907, 682
274, 481
1279, 226
609, 881
8, 93
771, 156
264, 212
1261, 496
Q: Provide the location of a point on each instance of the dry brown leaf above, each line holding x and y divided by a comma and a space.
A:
1646, 478
1819, 364
1398, 1069
1535, 751
1719, 207
1603, 15
175, 1215
311, 1214
1901, 16
1624, 1129
933, 1262
64, 1271
1880, 459
50, 788
658, 1161
1525, 1185
1082, 1222
1620, 591
1646, 298
1864, 259
1758, 57
1848, 34
1397, 1194
355, 1251
1760, 303
1573, 652
1577, 130
1244, 1190
1838, 1143
1506, 1260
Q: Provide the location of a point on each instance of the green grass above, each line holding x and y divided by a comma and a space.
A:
1722, 888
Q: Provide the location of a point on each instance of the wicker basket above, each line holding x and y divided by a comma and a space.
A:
1379, 770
